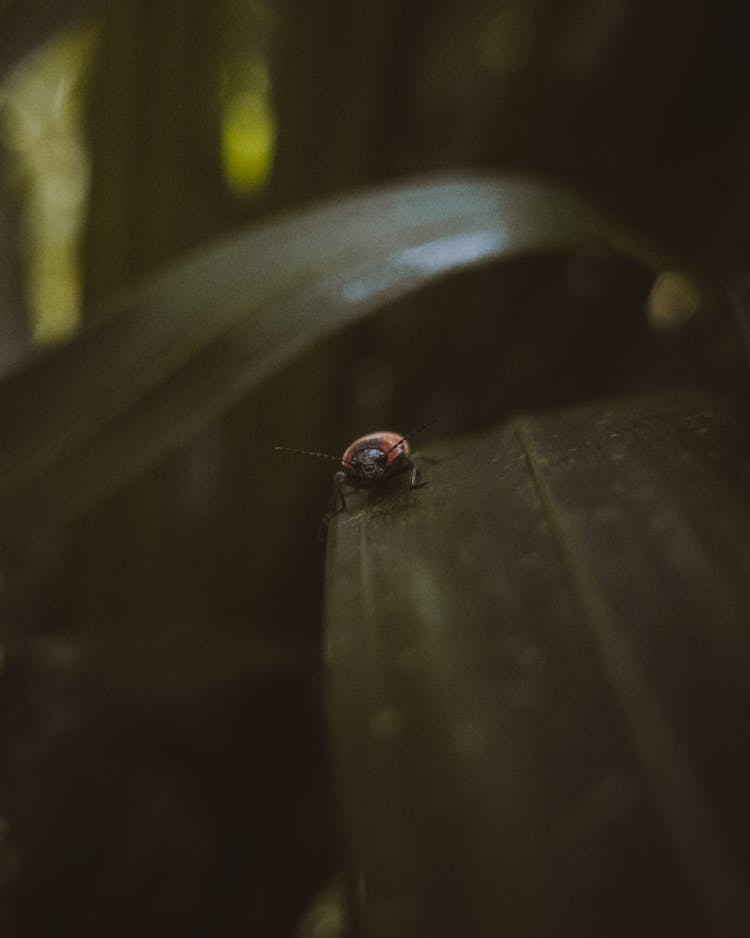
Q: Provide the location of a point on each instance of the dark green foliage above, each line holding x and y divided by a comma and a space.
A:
535, 683
537, 691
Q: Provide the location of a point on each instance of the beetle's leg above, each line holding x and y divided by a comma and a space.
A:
339, 481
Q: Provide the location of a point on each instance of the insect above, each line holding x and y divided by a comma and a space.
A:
367, 462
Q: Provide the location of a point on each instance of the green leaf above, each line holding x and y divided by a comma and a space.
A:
170, 357
26, 24
524, 659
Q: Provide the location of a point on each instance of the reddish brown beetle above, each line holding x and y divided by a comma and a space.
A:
368, 461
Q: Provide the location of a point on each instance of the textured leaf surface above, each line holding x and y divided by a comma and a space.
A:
171, 356
538, 671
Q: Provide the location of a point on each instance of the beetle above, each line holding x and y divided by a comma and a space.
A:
366, 463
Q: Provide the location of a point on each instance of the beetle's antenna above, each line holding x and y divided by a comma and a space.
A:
413, 433
305, 452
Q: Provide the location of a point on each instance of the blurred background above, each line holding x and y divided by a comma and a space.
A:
164, 759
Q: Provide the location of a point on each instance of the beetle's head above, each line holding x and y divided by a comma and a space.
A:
369, 465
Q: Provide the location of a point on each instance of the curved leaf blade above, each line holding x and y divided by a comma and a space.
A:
169, 357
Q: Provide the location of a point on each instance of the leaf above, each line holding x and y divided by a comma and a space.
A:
26, 24
538, 677
168, 358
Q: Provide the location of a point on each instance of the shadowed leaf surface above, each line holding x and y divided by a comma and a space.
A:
538, 678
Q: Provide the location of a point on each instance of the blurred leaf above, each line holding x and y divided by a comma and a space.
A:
26, 24
538, 668
171, 356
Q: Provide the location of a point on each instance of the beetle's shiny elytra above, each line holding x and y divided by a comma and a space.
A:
375, 456
367, 461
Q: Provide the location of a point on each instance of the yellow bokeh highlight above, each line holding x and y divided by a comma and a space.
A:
248, 142
41, 128
248, 131
54, 292
674, 299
